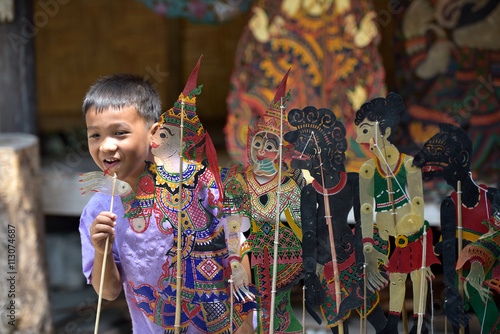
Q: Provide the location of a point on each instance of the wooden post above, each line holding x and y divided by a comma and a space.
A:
17, 66
24, 297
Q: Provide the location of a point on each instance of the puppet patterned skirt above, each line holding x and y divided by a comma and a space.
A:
348, 279
205, 317
289, 255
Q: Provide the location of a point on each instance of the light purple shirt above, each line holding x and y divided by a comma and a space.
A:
138, 256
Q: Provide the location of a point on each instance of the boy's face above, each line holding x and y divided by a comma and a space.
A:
119, 141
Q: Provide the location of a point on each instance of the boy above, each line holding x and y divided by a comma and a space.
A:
120, 112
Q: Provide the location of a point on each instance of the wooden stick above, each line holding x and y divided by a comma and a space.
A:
277, 226
328, 218
231, 310
422, 284
364, 299
103, 269
178, 295
460, 240
304, 309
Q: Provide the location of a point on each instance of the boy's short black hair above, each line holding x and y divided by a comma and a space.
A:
122, 90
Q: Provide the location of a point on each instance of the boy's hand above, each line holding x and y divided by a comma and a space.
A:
102, 226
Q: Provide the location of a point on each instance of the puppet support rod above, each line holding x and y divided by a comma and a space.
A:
328, 217
277, 225
231, 299
178, 295
422, 285
460, 246
103, 270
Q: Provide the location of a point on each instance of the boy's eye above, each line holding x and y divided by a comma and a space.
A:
94, 135
120, 133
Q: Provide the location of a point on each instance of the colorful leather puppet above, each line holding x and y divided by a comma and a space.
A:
333, 49
320, 145
483, 257
383, 181
447, 55
263, 181
448, 155
203, 251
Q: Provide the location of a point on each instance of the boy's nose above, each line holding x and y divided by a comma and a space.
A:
108, 145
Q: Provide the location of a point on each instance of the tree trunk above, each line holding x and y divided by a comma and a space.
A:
24, 297
17, 68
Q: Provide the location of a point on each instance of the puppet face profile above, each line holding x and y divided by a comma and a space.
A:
264, 150
165, 143
321, 126
445, 155
434, 158
305, 149
366, 131
382, 114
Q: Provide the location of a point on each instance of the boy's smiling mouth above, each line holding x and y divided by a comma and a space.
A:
110, 162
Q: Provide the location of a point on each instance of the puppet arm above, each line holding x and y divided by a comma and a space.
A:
236, 225
481, 260
454, 305
315, 294
476, 280
415, 188
374, 278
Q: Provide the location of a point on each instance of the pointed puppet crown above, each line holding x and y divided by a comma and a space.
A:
270, 120
196, 138
194, 134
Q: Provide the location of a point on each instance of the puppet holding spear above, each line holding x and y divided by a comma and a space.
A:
268, 190
383, 181
328, 249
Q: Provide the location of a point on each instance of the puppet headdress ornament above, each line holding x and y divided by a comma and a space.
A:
196, 138
270, 120
194, 133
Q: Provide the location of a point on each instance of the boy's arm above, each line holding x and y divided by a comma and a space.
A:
103, 226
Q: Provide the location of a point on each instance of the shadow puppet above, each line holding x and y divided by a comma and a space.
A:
320, 145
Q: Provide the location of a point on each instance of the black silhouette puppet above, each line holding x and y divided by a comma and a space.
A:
320, 145
447, 155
